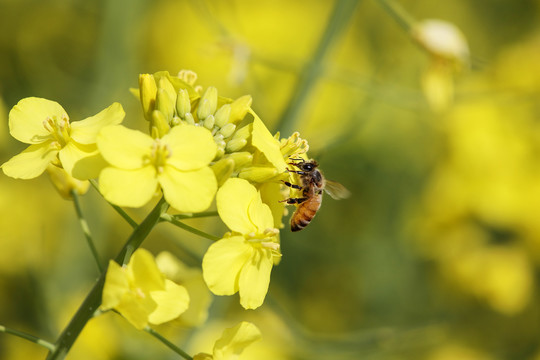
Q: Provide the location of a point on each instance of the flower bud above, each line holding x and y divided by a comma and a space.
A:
65, 183
258, 174
223, 170
183, 105
164, 104
209, 122
147, 94
241, 159
222, 115
243, 133
208, 103
239, 108
235, 145
160, 123
188, 117
227, 130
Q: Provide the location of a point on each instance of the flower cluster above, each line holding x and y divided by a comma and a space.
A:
200, 146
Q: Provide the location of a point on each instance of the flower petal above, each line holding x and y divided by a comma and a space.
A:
132, 188
82, 161
223, 262
234, 340
171, 303
124, 148
263, 140
188, 191
255, 279
233, 200
30, 163
192, 147
27, 117
116, 285
134, 310
86, 131
144, 271
260, 214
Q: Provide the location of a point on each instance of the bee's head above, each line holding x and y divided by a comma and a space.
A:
306, 166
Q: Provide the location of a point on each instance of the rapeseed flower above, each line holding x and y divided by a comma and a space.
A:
141, 293
242, 260
53, 139
232, 343
176, 163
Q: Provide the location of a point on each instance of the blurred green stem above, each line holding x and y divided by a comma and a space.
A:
93, 299
174, 221
338, 21
118, 209
402, 17
86, 230
28, 337
169, 344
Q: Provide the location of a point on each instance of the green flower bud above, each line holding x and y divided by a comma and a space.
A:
227, 130
243, 133
159, 123
258, 174
209, 122
183, 105
235, 145
239, 108
223, 170
222, 115
241, 159
208, 103
189, 118
147, 94
164, 104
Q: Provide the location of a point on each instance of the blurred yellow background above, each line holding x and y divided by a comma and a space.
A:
435, 256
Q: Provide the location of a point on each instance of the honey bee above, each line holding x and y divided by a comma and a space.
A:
312, 186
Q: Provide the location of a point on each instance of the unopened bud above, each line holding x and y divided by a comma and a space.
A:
258, 174
209, 122
235, 145
227, 130
222, 115
223, 170
208, 103
65, 183
183, 105
147, 94
164, 103
160, 123
241, 159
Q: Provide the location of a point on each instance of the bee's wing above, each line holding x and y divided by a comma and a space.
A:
336, 190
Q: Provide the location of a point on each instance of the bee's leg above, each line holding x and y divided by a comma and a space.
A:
297, 172
298, 187
292, 201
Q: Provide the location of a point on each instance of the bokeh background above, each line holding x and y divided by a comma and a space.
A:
435, 256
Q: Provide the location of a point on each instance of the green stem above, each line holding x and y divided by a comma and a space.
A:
402, 17
308, 77
118, 209
195, 215
86, 230
169, 344
93, 299
172, 220
28, 337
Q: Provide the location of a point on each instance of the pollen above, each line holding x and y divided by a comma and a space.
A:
59, 129
159, 154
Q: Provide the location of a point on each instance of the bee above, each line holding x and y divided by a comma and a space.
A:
312, 186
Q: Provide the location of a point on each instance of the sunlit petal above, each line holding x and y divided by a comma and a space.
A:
255, 279
116, 285
192, 147
171, 303
30, 163
132, 188
233, 200
27, 117
86, 131
124, 148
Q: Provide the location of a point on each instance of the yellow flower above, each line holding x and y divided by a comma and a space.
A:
45, 125
177, 163
140, 292
233, 341
192, 280
242, 260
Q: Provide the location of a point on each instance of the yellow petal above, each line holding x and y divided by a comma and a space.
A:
233, 200
144, 271
192, 147
171, 303
82, 161
27, 117
255, 279
124, 148
65, 183
234, 340
271, 195
188, 191
134, 310
132, 188
32, 162
223, 262
260, 214
116, 284
86, 131
264, 141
